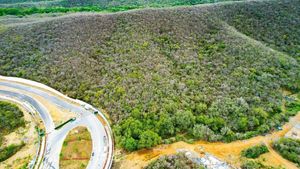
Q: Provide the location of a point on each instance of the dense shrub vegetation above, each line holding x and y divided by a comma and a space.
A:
289, 149
293, 105
11, 117
174, 162
9, 151
100, 3
172, 74
34, 10
255, 151
256, 165
281, 34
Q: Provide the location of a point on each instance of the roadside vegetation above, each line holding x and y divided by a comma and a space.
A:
174, 162
255, 151
289, 149
165, 75
112, 3
11, 118
22, 8
34, 10
9, 151
76, 150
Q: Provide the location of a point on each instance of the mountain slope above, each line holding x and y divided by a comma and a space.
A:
276, 23
101, 3
162, 72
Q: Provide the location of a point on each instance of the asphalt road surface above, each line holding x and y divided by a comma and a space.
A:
100, 133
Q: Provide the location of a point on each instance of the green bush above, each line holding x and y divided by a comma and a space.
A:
178, 161
289, 149
9, 151
293, 107
256, 165
255, 151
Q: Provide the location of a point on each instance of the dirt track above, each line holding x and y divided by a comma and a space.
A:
229, 152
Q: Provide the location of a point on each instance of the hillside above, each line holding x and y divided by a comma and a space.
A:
212, 72
101, 3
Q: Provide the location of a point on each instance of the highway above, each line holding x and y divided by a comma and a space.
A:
30, 92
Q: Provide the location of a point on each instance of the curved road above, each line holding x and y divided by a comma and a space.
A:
100, 131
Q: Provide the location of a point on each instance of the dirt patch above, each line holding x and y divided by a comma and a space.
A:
294, 133
77, 149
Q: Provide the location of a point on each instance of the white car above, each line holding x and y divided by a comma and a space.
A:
87, 107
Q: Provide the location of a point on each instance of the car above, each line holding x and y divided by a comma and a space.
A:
87, 107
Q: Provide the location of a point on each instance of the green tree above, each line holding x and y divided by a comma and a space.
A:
149, 139
217, 123
165, 126
200, 108
203, 119
227, 134
243, 124
130, 144
202, 132
131, 128
288, 149
184, 120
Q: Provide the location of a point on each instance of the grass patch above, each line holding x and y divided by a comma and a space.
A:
76, 150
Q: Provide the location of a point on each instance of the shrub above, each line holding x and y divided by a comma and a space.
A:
289, 149
9, 151
149, 139
255, 165
255, 151
174, 161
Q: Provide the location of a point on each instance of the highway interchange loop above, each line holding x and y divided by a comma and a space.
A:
86, 115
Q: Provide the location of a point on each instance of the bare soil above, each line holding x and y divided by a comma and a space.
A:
229, 152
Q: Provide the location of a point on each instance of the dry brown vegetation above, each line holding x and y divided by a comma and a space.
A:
218, 69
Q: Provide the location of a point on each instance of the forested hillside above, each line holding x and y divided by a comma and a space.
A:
211, 72
101, 3
27, 7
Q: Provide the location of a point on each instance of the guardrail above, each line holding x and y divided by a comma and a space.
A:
64, 123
